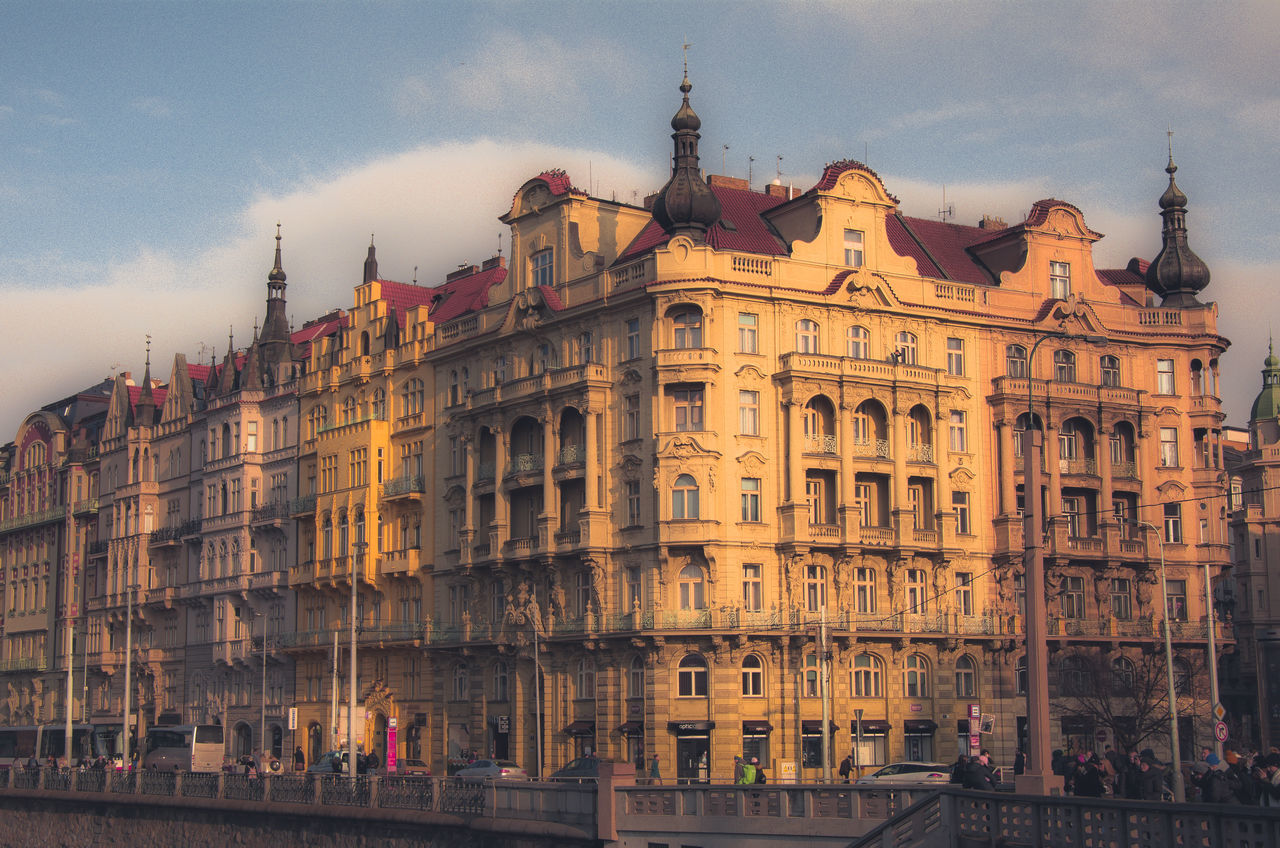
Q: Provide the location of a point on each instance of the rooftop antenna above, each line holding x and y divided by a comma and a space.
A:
751, 163
415, 275
948, 211
779, 174
723, 150
499, 242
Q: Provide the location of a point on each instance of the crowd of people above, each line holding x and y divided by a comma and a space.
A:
1249, 778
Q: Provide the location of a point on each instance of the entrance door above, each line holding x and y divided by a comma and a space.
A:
693, 759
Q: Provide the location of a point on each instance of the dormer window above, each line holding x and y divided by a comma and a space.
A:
1060, 280
853, 248
541, 265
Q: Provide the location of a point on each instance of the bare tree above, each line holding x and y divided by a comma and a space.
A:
1127, 694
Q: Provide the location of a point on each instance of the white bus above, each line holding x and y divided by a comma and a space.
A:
88, 742
190, 747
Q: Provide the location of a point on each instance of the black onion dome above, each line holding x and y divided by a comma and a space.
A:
1177, 275
686, 204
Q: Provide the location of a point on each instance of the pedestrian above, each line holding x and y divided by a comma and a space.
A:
1151, 779
760, 778
299, 759
957, 770
640, 774
1087, 780
655, 777
1019, 762
748, 774
737, 769
978, 774
373, 762
846, 768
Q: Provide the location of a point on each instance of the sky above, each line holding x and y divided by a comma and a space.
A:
148, 149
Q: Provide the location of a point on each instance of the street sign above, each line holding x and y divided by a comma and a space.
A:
975, 711
1101, 736
1220, 731
1219, 711
293, 718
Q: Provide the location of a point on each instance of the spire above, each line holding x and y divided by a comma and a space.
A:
686, 204
1176, 274
1266, 405
276, 348
371, 263
227, 378
146, 410
277, 272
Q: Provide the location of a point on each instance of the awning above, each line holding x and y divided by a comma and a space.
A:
580, 728
680, 728
919, 725
815, 726
870, 725
756, 728
631, 728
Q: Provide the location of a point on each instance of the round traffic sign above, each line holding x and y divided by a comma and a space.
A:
1220, 731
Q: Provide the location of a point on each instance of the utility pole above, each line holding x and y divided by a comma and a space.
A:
352, 751
71, 676
333, 711
128, 662
824, 683
536, 619
1213, 654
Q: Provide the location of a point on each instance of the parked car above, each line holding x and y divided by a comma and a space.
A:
413, 767
324, 764
582, 768
908, 774
493, 770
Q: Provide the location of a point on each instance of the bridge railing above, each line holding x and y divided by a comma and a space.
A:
570, 804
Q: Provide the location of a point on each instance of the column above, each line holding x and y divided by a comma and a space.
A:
1054, 466
898, 507
501, 503
591, 420
795, 453
1008, 486
1103, 453
942, 480
845, 436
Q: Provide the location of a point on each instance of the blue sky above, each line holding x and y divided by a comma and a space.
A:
148, 149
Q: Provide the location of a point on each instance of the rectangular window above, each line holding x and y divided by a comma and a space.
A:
853, 248
955, 357
1073, 597
862, 504
960, 503
633, 338
747, 341
1168, 447
1177, 600
1059, 280
959, 432
1071, 509
633, 503
864, 590
917, 592
749, 413
859, 342
1121, 603
1173, 524
688, 409
750, 498
630, 417
964, 593
541, 266
1164, 377
752, 587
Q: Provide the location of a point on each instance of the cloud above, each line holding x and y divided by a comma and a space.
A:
433, 208
55, 120
155, 107
6, 111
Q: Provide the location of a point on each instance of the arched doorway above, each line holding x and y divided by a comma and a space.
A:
379, 742
277, 741
315, 741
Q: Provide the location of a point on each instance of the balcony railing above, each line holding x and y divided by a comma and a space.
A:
276, 511
878, 448
1078, 466
526, 462
571, 454
302, 506
407, 485
819, 443
920, 453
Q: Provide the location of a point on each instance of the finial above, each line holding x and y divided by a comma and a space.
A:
1172, 167
685, 86
371, 239
148, 350
499, 242
277, 231
415, 275
230, 338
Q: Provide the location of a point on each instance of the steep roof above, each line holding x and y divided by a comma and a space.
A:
746, 230
401, 297
939, 248
464, 294
159, 393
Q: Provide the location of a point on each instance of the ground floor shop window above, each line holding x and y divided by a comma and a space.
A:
917, 740
811, 743
755, 741
693, 750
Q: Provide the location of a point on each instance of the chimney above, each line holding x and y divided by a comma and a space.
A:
991, 222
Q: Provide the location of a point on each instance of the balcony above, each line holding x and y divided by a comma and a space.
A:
232, 651
85, 507
268, 582
1064, 394
878, 536
271, 514
410, 486
572, 455
302, 507
819, 443
165, 537
44, 516
568, 538
920, 453
406, 561
525, 462
523, 546
97, 549
869, 448
162, 596
826, 532
1087, 467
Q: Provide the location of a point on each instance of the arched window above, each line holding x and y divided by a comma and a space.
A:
1181, 676
1074, 676
859, 342
1110, 368
1015, 361
806, 336
752, 676
906, 348
635, 678
868, 676
686, 329
343, 533
461, 683
691, 677
586, 678
915, 676
692, 588
1064, 366
1122, 675
364, 343
326, 537
966, 678
542, 268
684, 498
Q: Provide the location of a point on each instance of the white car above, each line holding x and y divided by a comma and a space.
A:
908, 774
493, 770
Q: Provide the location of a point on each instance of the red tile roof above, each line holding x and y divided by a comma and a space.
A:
401, 297
199, 373
158, 393
466, 294
748, 231
831, 175
943, 247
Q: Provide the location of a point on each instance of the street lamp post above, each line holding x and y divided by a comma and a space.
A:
128, 663
263, 727
352, 754
1179, 791
1038, 778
